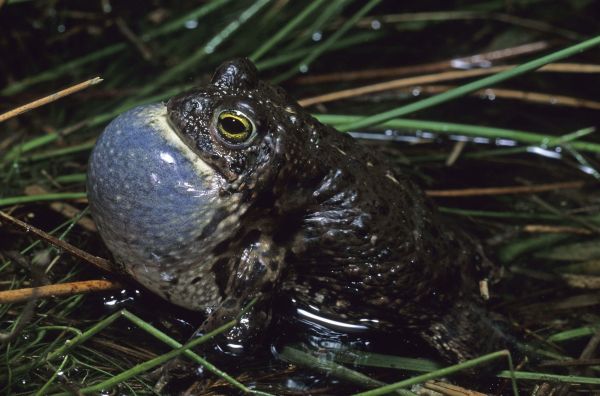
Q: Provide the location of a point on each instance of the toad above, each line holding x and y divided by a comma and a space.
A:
233, 192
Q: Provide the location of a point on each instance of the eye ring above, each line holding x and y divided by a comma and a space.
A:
234, 127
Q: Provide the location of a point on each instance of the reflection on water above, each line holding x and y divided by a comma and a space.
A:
330, 322
420, 137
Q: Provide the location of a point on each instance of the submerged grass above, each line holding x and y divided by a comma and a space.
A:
448, 371
55, 352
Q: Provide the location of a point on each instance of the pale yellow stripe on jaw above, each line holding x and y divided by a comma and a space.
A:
159, 120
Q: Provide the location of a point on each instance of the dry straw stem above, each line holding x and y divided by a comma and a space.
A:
553, 229
456, 152
98, 262
526, 96
60, 289
530, 24
582, 281
450, 390
467, 62
65, 209
437, 77
49, 98
470, 192
570, 363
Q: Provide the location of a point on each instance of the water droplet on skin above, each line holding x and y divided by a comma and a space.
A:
167, 276
166, 157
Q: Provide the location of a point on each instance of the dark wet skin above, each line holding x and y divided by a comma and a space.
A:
309, 214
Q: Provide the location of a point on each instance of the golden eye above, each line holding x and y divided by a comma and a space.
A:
234, 127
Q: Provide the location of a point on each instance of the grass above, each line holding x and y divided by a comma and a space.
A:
81, 343
473, 86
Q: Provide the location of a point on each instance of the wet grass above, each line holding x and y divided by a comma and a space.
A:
547, 241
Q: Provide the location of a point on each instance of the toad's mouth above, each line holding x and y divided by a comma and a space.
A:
169, 131
174, 126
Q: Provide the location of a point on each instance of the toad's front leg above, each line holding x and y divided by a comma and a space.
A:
252, 280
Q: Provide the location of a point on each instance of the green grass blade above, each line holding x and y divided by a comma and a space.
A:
179, 23
329, 367
443, 372
502, 151
284, 31
582, 161
64, 68
326, 45
564, 379
92, 331
110, 50
510, 252
387, 361
333, 9
190, 354
77, 148
579, 332
152, 363
473, 86
72, 178
498, 214
69, 344
41, 141
210, 47
43, 390
286, 57
16, 151
41, 198
338, 120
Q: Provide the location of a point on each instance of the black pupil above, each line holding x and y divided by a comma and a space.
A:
233, 125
